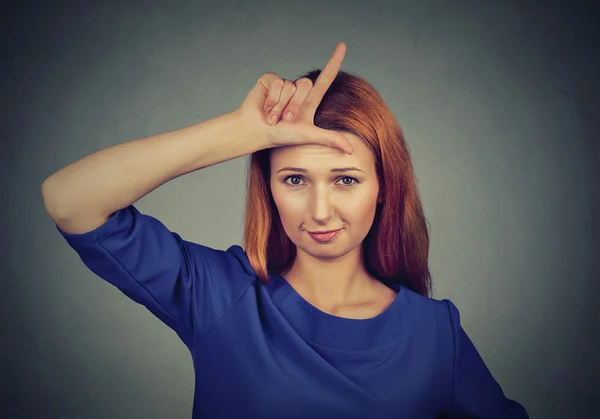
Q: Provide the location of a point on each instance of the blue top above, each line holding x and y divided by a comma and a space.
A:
262, 351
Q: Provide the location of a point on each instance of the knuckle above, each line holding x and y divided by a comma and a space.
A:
304, 82
265, 76
290, 85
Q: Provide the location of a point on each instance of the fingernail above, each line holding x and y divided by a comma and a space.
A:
288, 116
273, 119
268, 108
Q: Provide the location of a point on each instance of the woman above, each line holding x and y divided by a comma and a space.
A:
301, 323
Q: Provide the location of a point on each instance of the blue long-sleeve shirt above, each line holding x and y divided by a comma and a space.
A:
262, 351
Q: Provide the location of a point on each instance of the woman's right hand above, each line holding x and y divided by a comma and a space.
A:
273, 96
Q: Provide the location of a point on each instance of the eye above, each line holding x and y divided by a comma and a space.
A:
355, 181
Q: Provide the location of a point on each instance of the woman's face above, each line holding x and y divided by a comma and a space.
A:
311, 197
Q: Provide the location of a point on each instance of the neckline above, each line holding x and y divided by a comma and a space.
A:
335, 332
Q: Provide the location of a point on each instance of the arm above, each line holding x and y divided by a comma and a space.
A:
90, 201
82, 195
187, 285
475, 391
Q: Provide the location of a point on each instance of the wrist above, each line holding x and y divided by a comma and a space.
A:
247, 125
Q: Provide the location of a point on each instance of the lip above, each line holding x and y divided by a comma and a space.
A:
324, 232
324, 237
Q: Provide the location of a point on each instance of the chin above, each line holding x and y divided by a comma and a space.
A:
331, 251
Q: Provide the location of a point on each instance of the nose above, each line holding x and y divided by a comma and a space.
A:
322, 205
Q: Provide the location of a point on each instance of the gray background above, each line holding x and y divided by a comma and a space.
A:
500, 105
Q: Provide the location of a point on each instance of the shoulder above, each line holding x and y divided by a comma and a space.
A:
231, 263
431, 311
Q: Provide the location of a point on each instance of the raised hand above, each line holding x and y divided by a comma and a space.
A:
271, 97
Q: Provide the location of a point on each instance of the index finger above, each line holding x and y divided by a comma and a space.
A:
326, 77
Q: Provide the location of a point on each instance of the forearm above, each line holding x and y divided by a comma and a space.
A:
113, 178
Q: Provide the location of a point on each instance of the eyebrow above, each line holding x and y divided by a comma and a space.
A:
337, 170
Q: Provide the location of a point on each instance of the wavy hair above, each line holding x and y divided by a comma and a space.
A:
396, 248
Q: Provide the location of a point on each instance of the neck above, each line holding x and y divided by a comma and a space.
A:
330, 283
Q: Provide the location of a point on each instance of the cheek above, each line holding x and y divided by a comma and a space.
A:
365, 204
289, 212
288, 208
363, 214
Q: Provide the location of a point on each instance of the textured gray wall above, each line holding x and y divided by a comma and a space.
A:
500, 105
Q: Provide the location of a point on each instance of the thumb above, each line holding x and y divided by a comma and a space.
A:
329, 138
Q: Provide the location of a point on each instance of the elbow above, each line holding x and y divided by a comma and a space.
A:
51, 200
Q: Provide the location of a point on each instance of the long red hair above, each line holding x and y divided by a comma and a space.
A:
396, 249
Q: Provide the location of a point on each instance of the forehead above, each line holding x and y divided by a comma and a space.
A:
320, 157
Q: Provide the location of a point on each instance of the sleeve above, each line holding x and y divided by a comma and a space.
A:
476, 394
174, 279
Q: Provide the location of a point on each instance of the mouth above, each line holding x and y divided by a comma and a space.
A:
324, 236
324, 231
